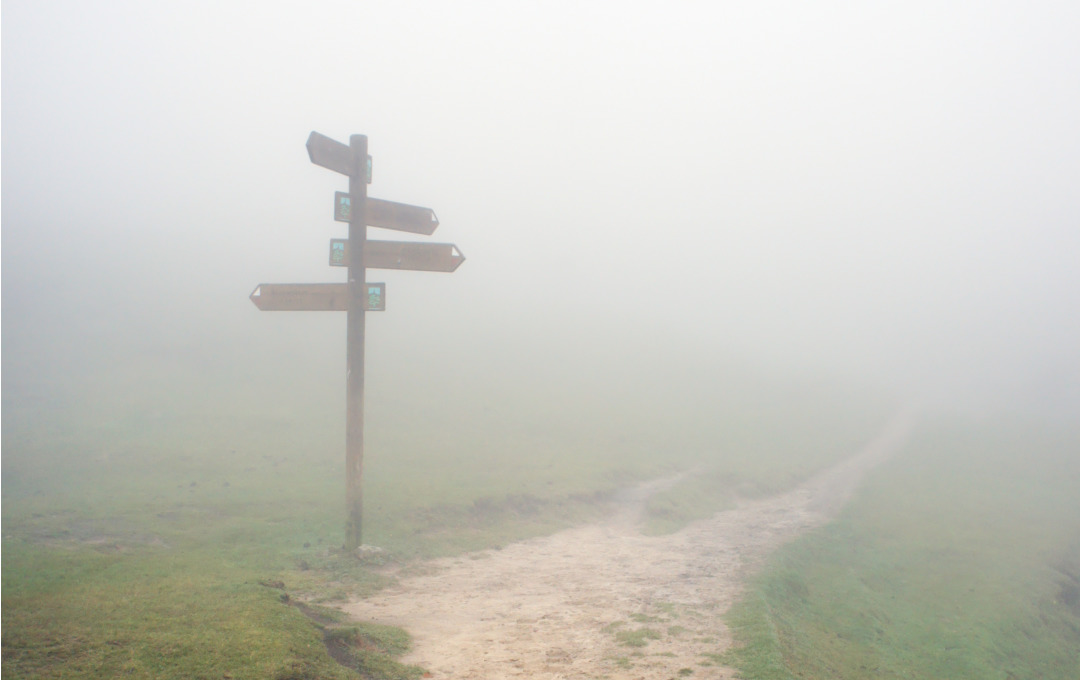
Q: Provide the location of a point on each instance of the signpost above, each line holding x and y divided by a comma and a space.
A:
357, 296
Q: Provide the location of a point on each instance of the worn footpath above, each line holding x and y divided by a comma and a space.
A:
602, 600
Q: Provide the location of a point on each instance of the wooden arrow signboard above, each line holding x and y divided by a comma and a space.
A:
330, 154
426, 257
333, 155
358, 296
315, 297
401, 217
388, 215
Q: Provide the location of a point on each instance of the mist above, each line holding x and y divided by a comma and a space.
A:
883, 194
763, 357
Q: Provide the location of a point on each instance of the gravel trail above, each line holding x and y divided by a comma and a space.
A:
565, 605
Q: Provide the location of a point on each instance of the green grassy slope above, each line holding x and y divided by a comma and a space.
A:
959, 559
167, 527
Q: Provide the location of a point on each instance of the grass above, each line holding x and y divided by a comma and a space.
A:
79, 615
960, 559
142, 519
639, 637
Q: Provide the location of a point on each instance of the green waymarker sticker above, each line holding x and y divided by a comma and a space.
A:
338, 253
342, 206
369, 169
375, 299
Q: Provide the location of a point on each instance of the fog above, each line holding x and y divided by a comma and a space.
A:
884, 192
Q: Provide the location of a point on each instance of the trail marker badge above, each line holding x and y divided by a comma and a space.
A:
339, 252
375, 297
342, 206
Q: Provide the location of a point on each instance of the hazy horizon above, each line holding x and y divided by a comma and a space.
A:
886, 193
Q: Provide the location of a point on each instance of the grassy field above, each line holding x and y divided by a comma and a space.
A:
187, 524
959, 559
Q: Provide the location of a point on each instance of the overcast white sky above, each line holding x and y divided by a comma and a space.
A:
888, 189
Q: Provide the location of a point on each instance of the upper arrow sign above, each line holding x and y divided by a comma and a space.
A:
330, 154
400, 217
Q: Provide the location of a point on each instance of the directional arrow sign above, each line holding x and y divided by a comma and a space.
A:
315, 297
330, 154
426, 257
401, 217
301, 297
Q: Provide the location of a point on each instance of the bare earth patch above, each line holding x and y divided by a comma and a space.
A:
602, 600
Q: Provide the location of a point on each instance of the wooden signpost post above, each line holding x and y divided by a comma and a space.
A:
357, 296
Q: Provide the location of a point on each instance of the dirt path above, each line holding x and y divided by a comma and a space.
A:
564, 606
